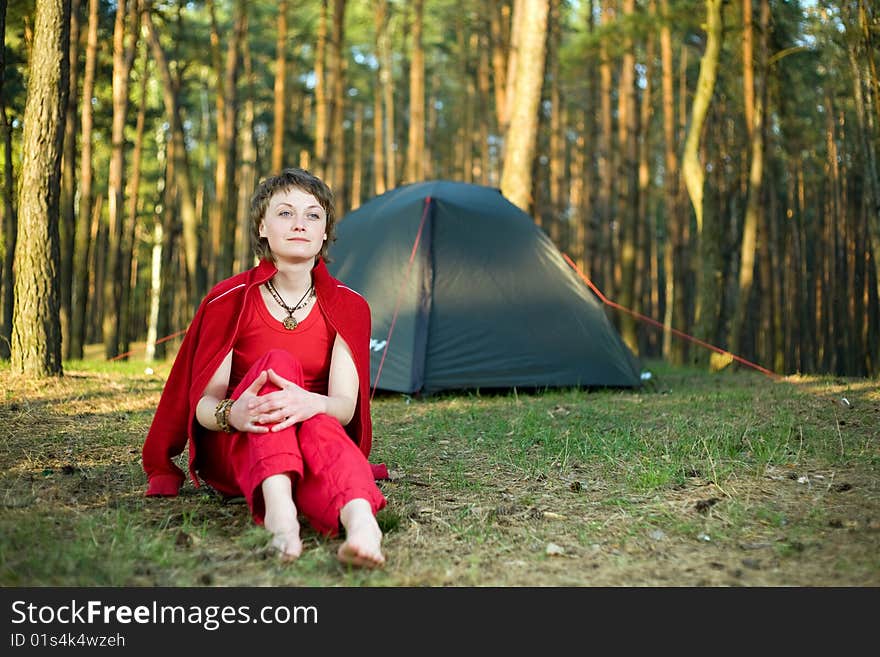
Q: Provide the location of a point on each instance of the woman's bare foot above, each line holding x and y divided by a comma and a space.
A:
363, 538
280, 517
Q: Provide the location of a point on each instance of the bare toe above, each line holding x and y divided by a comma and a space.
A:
361, 556
288, 545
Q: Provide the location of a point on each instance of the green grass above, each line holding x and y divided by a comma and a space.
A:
482, 484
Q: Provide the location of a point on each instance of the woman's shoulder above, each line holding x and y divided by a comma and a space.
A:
231, 284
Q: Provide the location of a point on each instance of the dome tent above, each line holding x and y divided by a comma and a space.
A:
467, 292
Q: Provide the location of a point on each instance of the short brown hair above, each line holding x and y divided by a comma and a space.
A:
292, 178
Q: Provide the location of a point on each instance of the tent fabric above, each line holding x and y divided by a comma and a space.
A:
478, 295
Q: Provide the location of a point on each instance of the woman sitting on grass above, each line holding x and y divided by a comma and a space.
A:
270, 387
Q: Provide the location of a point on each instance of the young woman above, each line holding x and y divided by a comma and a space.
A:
270, 387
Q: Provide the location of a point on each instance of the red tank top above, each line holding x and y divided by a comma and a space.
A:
311, 342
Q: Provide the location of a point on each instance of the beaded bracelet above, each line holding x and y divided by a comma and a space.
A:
221, 414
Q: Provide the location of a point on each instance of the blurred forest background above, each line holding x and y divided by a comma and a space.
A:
709, 164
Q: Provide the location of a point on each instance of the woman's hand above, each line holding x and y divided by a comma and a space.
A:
240, 416
282, 408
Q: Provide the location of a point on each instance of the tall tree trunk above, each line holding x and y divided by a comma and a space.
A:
584, 185
558, 168
627, 189
226, 156
519, 143
321, 94
82, 238
514, 54
860, 48
379, 186
578, 194
67, 227
416, 143
36, 324
280, 107
672, 259
756, 168
247, 172
647, 284
708, 288
10, 222
123, 59
499, 29
602, 272
357, 158
183, 180
129, 278
465, 139
337, 66
431, 127
484, 172
381, 10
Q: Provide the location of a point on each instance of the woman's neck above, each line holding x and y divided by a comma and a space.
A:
293, 277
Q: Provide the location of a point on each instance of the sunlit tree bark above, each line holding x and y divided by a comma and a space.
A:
36, 325
709, 273
82, 239
123, 59
416, 142
519, 143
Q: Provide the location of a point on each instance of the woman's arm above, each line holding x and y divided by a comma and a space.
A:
294, 404
239, 416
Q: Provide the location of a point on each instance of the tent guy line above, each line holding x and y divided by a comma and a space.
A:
654, 322
412, 258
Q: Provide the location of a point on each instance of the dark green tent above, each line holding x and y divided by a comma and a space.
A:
467, 292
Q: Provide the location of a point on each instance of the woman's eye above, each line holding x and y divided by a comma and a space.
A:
314, 216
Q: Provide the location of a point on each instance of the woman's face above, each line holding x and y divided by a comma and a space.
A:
294, 225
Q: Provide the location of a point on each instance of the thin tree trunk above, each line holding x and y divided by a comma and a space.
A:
357, 157
672, 349
36, 324
864, 96
129, 278
67, 227
627, 189
321, 95
756, 170
379, 186
10, 222
280, 106
514, 53
603, 269
708, 288
82, 238
226, 156
645, 216
431, 127
520, 141
337, 66
183, 181
499, 28
123, 59
558, 169
482, 173
247, 171
97, 270
386, 87
416, 142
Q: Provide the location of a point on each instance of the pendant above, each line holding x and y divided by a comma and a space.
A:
290, 322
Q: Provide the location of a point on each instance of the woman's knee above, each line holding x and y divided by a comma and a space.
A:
282, 363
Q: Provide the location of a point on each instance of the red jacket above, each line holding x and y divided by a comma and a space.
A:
209, 338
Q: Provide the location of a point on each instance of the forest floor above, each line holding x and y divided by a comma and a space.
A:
696, 480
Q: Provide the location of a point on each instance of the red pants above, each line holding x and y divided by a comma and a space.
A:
327, 469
